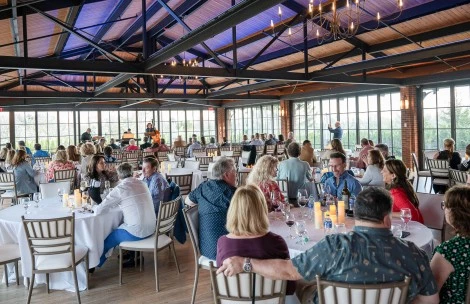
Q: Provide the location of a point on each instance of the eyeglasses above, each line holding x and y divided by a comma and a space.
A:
443, 205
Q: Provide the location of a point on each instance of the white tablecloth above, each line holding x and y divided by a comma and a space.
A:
419, 234
197, 175
90, 232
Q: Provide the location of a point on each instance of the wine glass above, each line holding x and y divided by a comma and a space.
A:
25, 202
290, 221
274, 197
302, 199
83, 185
36, 198
60, 193
71, 204
405, 215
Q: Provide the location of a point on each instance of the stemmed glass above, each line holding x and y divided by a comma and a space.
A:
25, 201
274, 197
36, 198
302, 199
405, 215
107, 185
301, 230
290, 221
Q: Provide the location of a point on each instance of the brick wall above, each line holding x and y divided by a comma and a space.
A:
284, 112
220, 124
409, 125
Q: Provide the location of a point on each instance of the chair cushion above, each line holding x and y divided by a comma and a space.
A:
204, 261
9, 252
58, 261
147, 243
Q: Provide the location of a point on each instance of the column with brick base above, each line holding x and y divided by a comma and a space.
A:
409, 124
220, 124
284, 113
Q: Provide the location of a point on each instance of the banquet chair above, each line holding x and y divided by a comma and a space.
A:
422, 173
8, 185
62, 175
147, 154
433, 215
183, 181
241, 287
10, 253
270, 149
345, 293
439, 169
42, 160
259, 150
212, 151
242, 176
164, 165
237, 150
132, 158
457, 177
281, 148
49, 190
52, 247
161, 239
283, 186
204, 164
180, 152
117, 155
226, 152
163, 156
191, 217
199, 153
428, 155
191, 164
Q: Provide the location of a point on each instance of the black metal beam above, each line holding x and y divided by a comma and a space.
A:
70, 20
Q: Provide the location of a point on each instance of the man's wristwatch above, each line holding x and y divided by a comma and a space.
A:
247, 265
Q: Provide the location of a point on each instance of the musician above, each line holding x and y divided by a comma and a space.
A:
128, 132
149, 128
86, 136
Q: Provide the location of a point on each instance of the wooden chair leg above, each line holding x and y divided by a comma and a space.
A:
30, 292
141, 262
6, 273
155, 262
120, 266
47, 282
76, 284
87, 266
135, 259
196, 279
17, 274
174, 256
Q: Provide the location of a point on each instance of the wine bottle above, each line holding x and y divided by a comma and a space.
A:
345, 195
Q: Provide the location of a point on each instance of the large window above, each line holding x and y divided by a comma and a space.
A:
88, 119
66, 128
110, 125
47, 130
178, 125
4, 127
436, 117
165, 131
209, 124
462, 116
390, 122
25, 128
235, 125
347, 117
368, 121
193, 124
128, 120
330, 116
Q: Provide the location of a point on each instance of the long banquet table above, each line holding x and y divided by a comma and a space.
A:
90, 232
419, 234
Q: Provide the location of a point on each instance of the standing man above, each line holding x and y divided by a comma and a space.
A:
337, 131
86, 136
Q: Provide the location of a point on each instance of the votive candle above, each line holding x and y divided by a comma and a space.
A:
333, 209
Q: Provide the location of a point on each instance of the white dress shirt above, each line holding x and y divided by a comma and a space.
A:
257, 142
134, 199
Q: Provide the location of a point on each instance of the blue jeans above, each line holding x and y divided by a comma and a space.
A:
114, 239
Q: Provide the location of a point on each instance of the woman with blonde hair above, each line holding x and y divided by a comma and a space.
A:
248, 227
9, 158
263, 175
60, 163
87, 151
24, 173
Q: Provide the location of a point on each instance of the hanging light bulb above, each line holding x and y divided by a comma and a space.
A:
272, 24
378, 16
310, 8
400, 3
290, 31
318, 33
352, 26
279, 11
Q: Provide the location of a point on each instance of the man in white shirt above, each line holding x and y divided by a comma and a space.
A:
194, 145
134, 199
257, 141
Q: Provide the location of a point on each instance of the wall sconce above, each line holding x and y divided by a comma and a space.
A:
405, 103
282, 112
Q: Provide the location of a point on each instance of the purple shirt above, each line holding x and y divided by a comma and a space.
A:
268, 246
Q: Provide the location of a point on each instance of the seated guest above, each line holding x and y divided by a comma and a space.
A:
263, 137
163, 147
212, 143
156, 182
371, 142
290, 139
373, 175
361, 160
112, 144
296, 171
450, 263
108, 155
213, 198
307, 154
383, 148
280, 139
154, 148
73, 155
203, 141
336, 146
149, 128
146, 144
100, 145
59, 148
3, 154
257, 141
403, 194
87, 150
60, 163
195, 145
39, 153
263, 175
9, 159
224, 143
97, 176
465, 165
450, 155
190, 142
369, 254
245, 140
248, 227
22, 144
132, 146
8, 146
133, 197
270, 140
24, 174
334, 185
179, 142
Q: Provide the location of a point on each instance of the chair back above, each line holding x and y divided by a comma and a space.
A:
242, 176
241, 288
47, 237
42, 160
7, 181
283, 186
415, 162
270, 149
259, 149
163, 156
204, 162
225, 148
439, 168
61, 175
191, 217
166, 218
132, 157
281, 148
117, 154
344, 293
212, 151
237, 150
191, 164
49, 190
457, 177
226, 152
146, 154
430, 208
180, 151
183, 181
199, 152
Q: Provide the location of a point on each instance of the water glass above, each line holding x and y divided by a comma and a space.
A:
396, 230
301, 230
302, 199
36, 198
340, 228
60, 193
83, 185
26, 202
290, 221
405, 215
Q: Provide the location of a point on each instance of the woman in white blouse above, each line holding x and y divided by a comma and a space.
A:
133, 197
373, 175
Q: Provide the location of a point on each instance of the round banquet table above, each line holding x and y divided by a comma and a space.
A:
420, 235
197, 175
90, 232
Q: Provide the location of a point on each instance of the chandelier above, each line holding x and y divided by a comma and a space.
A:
327, 21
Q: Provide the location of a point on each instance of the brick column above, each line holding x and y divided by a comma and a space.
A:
284, 112
409, 124
220, 124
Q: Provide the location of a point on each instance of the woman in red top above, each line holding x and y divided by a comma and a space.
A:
394, 174
262, 175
